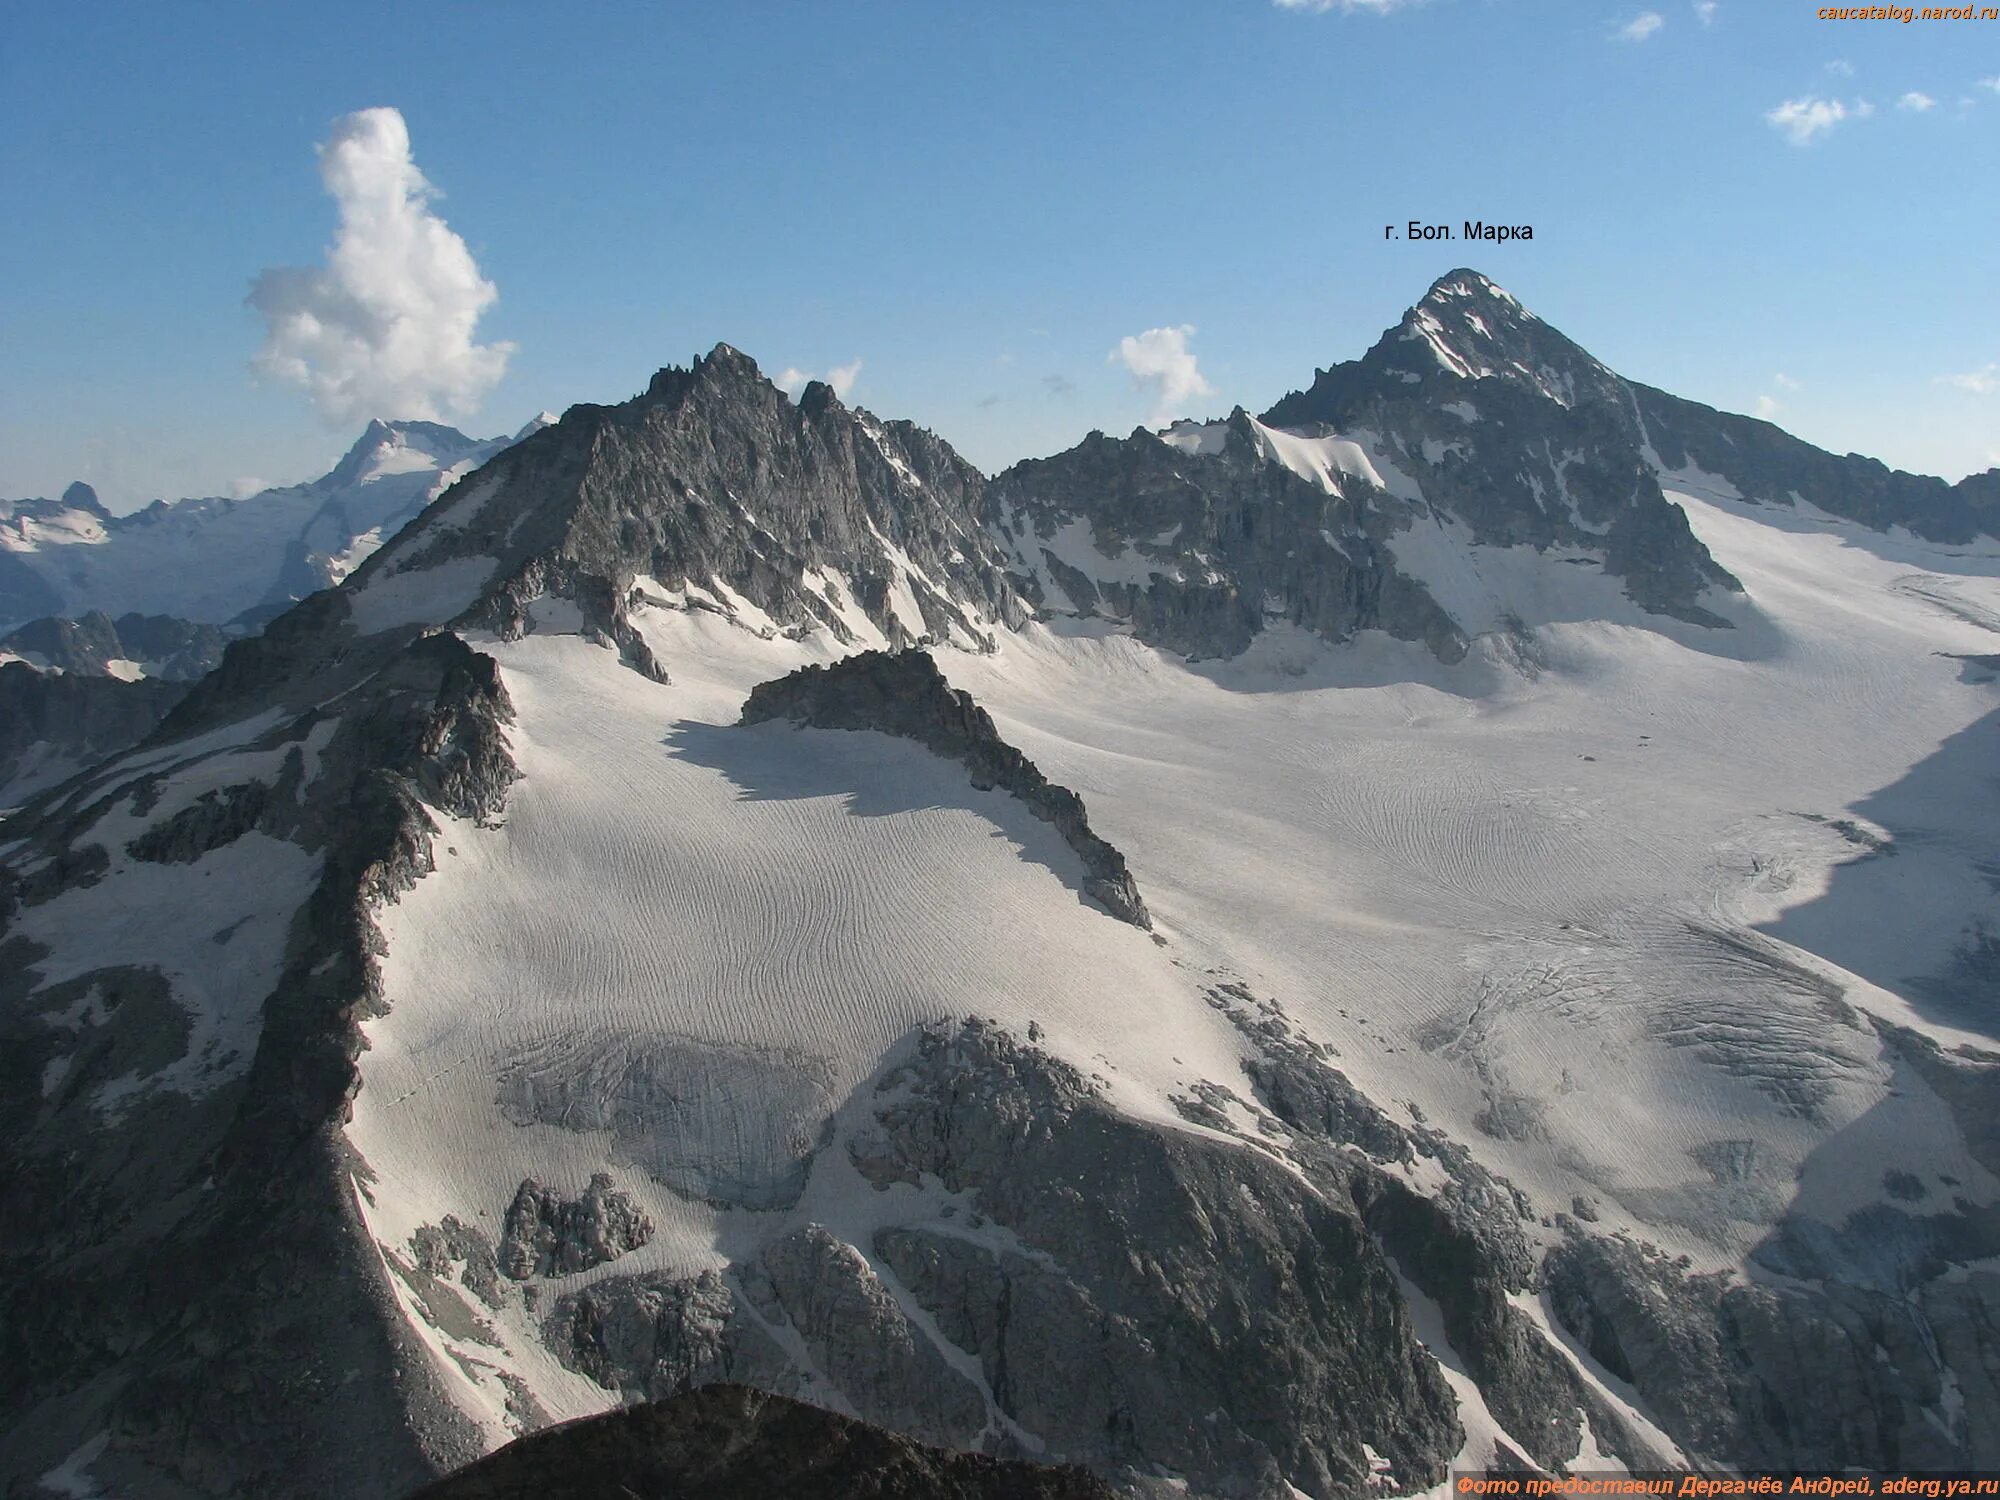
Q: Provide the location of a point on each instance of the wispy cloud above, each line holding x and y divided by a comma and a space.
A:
1840, 67
1704, 11
1784, 382
791, 380
386, 327
1768, 407
1983, 381
1802, 121
1992, 83
1059, 385
1916, 102
1641, 27
1160, 358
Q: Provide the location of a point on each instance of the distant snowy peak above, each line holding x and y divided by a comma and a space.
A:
386, 448
215, 560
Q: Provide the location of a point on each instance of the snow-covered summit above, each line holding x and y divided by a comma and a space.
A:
210, 560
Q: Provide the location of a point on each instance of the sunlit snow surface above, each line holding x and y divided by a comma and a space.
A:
1611, 909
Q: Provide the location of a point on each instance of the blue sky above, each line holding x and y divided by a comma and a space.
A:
979, 202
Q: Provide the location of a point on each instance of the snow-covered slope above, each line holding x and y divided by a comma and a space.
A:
211, 560
1565, 1032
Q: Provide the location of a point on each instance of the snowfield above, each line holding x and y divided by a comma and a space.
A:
1613, 905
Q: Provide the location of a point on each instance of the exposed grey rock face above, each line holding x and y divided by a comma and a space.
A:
178, 650
859, 1336
1232, 540
715, 475
54, 725
733, 1126
905, 694
1766, 463
192, 1219
1501, 423
730, 1442
1176, 1302
454, 1248
547, 1234
650, 1337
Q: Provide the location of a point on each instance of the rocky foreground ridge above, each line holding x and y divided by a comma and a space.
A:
732, 1442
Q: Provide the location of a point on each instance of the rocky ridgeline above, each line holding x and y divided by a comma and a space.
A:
1501, 424
730, 1442
177, 650
904, 694
190, 1272
712, 475
52, 725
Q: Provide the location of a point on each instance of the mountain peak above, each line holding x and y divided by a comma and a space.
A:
80, 496
1469, 327
722, 365
1468, 283
394, 447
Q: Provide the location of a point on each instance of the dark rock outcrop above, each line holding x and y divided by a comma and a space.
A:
52, 725
193, 1219
904, 694
714, 476
177, 650
547, 1234
1479, 416
729, 1442
1168, 1302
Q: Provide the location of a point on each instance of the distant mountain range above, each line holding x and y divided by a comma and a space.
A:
1522, 993
228, 562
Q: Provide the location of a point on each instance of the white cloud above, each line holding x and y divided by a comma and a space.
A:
386, 327
1863, 109
1916, 102
1641, 27
841, 377
1802, 120
1160, 358
248, 485
1704, 12
1992, 83
1784, 382
1983, 381
1768, 407
1840, 67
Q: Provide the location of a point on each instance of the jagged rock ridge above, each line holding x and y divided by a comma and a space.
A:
905, 694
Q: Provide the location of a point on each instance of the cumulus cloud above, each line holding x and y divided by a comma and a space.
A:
1802, 121
840, 377
1983, 381
1704, 11
386, 327
1160, 359
1916, 102
1641, 27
